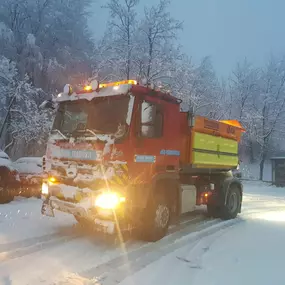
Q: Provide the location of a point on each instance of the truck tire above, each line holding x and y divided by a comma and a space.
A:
233, 203
157, 219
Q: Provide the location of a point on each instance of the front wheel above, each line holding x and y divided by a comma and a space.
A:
233, 203
157, 220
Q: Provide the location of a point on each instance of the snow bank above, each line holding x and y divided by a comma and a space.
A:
235, 255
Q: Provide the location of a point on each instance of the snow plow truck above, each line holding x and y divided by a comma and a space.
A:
123, 156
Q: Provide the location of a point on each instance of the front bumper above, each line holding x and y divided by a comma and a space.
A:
67, 207
106, 221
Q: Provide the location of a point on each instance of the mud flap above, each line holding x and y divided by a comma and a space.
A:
47, 210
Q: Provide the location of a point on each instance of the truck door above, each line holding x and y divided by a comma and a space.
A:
150, 137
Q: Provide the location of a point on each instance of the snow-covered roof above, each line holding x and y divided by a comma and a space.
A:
104, 92
29, 159
32, 165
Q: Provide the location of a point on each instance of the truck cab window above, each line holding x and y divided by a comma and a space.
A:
151, 120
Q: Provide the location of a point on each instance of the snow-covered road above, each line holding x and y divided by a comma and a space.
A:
248, 250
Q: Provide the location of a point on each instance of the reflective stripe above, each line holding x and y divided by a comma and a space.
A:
122, 175
145, 158
214, 151
170, 152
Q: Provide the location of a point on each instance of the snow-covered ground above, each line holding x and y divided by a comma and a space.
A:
248, 250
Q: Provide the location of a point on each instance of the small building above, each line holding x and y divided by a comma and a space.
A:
278, 170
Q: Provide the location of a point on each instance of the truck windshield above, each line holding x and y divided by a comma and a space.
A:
105, 115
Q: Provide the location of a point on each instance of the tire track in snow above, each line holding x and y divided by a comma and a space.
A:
144, 253
20, 252
40, 245
31, 241
102, 249
201, 247
139, 264
29, 246
32, 245
217, 229
117, 269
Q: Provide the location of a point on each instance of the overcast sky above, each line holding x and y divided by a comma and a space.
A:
227, 30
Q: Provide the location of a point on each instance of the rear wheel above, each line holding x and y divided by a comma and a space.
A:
233, 203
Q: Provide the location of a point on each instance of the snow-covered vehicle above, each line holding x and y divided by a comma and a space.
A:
123, 156
30, 171
9, 179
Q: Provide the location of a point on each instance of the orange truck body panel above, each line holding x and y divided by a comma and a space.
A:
231, 130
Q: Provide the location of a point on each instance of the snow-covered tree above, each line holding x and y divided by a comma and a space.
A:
120, 34
243, 91
157, 51
27, 123
138, 48
271, 106
258, 101
244, 86
31, 60
8, 72
41, 30
199, 88
21, 120
43, 45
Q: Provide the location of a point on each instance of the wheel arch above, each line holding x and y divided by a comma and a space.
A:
168, 184
230, 182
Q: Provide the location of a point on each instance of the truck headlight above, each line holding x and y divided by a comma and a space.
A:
109, 200
45, 188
